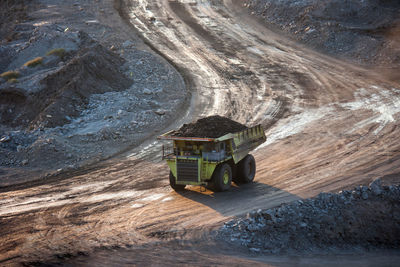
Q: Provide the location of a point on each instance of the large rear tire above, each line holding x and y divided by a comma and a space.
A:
234, 168
222, 177
172, 183
246, 169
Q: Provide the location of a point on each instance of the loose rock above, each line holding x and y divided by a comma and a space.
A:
211, 127
159, 112
5, 138
326, 222
147, 91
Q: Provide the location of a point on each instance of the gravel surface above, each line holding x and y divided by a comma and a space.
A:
364, 218
212, 127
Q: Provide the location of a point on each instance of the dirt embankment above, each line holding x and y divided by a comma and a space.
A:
363, 218
75, 88
364, 31
57, 90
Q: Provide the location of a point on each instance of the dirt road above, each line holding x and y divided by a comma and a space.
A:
329, 126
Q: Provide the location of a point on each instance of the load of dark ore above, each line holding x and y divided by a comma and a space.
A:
209, 127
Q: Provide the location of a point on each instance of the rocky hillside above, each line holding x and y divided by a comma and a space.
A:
367, 31
75, 89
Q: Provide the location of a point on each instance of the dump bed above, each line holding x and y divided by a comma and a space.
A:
242, 142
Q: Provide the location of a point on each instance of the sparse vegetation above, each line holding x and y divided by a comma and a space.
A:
60, 52
34, 62
13, 80
8, 75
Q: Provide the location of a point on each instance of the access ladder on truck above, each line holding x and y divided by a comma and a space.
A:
212, 162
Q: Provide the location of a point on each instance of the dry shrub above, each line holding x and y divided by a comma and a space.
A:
13, 80
60, 52
34, 62
8, 75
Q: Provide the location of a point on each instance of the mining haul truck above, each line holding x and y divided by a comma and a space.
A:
212, 162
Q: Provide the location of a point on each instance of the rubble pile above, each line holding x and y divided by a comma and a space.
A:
364, 218
211, 127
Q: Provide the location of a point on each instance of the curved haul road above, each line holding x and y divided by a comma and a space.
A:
329, 126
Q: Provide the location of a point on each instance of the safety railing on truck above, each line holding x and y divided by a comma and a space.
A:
168, 152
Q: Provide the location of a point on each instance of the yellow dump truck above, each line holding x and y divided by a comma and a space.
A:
212, 162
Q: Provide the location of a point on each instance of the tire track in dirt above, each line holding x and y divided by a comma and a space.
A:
309, 103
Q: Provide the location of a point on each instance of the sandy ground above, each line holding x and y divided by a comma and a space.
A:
330, 126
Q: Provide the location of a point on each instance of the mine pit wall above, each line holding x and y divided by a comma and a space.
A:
93, 102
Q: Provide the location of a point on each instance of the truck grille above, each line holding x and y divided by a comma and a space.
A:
187, 170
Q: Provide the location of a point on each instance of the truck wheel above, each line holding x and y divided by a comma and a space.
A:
222, 177
176, 187
234, 169
247, 169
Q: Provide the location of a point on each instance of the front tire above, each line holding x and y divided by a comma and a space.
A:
247, 169
172, 183
222, 177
